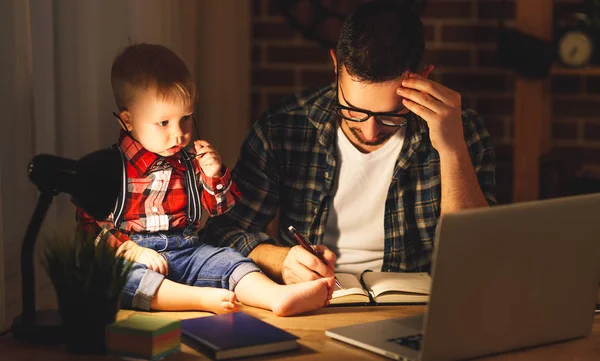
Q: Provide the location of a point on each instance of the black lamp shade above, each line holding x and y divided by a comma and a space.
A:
93, 181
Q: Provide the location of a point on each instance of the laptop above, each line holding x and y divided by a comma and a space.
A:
503, 278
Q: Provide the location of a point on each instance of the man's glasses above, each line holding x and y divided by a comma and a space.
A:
361, 115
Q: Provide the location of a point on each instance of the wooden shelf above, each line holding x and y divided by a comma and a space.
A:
588, 70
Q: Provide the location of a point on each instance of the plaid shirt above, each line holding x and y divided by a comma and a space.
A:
156, 196
288, 163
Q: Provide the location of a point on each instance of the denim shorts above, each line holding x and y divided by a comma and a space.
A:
190, 262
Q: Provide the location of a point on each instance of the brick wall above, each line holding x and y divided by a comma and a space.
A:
461, 43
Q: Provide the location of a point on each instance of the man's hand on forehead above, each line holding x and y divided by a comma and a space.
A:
439, 106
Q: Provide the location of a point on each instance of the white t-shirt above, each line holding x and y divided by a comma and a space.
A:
354, 228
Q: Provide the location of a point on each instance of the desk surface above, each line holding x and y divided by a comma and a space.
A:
314, 345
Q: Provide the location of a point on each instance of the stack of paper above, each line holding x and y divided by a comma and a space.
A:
144, 337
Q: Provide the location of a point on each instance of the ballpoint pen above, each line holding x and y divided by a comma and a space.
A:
305, 243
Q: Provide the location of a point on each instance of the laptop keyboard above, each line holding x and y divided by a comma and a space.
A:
412, 341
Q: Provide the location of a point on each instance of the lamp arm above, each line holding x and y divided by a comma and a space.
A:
27, 256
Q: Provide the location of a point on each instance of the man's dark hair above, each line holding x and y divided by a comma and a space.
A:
380, 40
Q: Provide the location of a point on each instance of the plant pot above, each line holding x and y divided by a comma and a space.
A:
85, 324
88, 279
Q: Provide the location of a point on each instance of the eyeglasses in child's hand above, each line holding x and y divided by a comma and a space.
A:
208, 158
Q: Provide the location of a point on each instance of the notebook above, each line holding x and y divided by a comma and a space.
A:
235, 335
503, 278
373, 288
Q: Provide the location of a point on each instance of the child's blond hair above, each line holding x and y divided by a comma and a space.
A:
141, 67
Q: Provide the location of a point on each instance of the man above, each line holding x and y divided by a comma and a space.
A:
363, 167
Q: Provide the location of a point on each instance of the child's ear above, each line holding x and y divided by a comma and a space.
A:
125, 120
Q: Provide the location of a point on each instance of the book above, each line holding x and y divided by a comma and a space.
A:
235, 335
382, 288
144, 337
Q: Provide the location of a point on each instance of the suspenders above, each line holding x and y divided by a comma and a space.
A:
194, 209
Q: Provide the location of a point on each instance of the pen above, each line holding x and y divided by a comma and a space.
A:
305, 243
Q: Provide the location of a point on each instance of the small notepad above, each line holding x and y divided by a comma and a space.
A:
144, 337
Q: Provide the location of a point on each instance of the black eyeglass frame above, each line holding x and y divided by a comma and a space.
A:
339, 107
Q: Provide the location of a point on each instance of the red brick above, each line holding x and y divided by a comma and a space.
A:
564, 131
255, 102
435, 76
429, 31
593, 84
445, 57
315, 78
256, 7
342, 6
495, 126
256, 51
468, 102
503, 193
330, 30
591, 131
564, 8
504, 173
304, 10
272, 31
511, 128
504, 153
469, 33
273, 7
504, 182
447, 9
487, 58
274, 99
272, 77
296, 54
575, 108
493, 9
566, 84
579, 155
475, 82
495, 106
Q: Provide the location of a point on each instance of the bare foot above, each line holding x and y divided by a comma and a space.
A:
303, 297
217, 300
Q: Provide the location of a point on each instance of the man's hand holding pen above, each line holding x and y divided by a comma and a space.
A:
300, 265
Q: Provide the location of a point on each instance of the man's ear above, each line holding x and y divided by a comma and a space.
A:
334, 58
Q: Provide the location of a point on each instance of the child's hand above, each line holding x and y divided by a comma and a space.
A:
131, 251
208, 158
153, 260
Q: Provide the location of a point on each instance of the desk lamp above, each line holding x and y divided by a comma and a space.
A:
94, 183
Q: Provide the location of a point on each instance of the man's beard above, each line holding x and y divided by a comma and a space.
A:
358, 135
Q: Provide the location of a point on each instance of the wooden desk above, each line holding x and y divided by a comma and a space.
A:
314, 345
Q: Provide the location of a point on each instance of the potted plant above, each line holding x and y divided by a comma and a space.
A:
88, 278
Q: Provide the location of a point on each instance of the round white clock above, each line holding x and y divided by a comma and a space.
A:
575, 48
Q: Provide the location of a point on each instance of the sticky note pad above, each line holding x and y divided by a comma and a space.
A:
144, 337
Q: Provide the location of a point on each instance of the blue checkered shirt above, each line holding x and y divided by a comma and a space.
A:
288, 162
